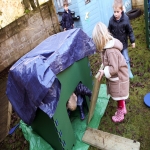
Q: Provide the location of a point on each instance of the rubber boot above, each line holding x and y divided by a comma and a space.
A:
119, 116
123, 107
129, 70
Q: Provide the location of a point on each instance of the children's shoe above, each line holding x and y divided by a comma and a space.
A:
124, 109
119, 116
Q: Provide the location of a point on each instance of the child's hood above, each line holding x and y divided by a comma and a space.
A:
114, 43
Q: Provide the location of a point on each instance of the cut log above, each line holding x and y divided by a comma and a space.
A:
107, 141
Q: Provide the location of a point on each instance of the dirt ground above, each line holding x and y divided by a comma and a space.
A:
15, 141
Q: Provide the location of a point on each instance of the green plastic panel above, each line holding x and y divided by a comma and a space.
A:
58, 131
79, 127
44, 126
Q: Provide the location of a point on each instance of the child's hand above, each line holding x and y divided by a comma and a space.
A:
64, 29
133, 45
101, 74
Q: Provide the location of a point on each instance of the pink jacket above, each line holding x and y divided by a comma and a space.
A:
115, 70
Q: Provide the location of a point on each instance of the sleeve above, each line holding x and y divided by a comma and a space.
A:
72, 18
113, 65
72, 21
109, 27
63, 21
110, 24
129, 31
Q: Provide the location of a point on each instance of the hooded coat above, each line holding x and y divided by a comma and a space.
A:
115, 70
121, 29
67, 20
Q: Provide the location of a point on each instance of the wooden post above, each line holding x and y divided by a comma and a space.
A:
54, 17
95, 92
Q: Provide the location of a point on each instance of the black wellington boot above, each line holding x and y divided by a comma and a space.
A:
82, 116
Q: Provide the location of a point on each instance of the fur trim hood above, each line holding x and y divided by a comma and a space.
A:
114, 43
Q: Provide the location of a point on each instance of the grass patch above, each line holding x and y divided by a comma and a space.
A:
136, 125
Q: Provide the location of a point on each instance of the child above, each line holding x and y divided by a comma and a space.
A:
78, 99
120, 28
67, 20
115, 68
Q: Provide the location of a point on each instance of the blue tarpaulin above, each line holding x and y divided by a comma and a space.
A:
32, 80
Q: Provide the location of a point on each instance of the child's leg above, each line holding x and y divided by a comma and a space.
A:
80, 106
122, 105
82, 116
126, 56
121, 111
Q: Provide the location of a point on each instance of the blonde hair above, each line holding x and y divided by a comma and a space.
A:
100, 36
118, 4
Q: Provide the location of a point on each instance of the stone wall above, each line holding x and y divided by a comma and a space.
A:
25, 33
11, 10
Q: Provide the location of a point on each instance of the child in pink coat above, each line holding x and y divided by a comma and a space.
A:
114, 68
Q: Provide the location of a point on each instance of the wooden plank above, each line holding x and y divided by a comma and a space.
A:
107, 141
95, 92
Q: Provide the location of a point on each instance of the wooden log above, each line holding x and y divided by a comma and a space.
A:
107, 141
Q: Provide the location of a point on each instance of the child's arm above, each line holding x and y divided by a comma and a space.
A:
129, 30
112, 68
109, 27
72, 23
63, 22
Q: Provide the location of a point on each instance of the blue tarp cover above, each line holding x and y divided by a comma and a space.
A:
32, 80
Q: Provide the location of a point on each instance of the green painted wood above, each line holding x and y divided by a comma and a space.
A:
44, 126
69, 79
79, 126
48, 128
146, 14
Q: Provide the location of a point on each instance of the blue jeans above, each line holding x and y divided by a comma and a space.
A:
125, 54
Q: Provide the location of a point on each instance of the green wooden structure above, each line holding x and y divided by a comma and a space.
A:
147, 21
58, 131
